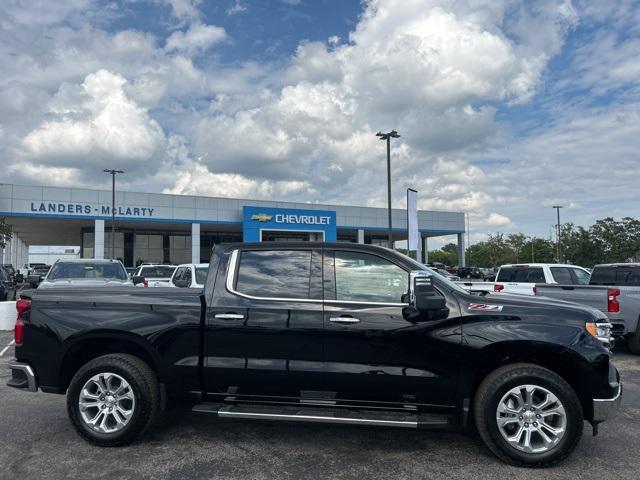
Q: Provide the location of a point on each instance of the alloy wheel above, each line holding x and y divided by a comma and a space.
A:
531, 419
106, 402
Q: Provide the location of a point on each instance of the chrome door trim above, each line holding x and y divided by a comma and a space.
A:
344, 320
231, 280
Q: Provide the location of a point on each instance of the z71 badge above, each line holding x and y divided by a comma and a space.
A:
485, 307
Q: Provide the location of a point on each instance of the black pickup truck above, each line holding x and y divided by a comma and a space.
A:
323, 332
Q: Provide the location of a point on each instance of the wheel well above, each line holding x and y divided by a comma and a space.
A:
561, 363
86, 350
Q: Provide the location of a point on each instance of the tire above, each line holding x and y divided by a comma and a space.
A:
501, 384
633, 341
133, 412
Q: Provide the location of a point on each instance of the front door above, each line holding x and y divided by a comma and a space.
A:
372, 354
264, 330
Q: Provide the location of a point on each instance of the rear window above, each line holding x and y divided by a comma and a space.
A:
521, 275
620, 276
159, 271
275, 273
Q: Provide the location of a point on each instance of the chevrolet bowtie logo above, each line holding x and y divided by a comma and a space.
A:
262, 217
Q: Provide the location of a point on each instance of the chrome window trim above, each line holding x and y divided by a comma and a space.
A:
232, 267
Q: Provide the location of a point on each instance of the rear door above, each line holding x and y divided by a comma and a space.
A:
264, 324
372, 354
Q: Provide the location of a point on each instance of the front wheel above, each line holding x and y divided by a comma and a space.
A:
528, 416
113, 399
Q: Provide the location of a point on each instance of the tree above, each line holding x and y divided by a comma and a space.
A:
448, 255
5, 232
517, 241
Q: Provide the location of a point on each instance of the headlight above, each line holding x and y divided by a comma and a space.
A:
600, 330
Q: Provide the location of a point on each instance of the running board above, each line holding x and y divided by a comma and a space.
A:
323, 415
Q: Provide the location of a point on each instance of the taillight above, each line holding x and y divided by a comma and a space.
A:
145, 284
498, 288
535, 290
613, 306
22, 306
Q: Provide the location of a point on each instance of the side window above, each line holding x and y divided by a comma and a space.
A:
274, 273
562, 275
187, 275
363, 277
582, 277
178, 275
627, 276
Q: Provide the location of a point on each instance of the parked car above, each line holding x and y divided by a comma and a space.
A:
323, 332
40, 270
614, 289
470, 272
445, 274
154, 275
7, 285
190, 275
489, 274
17, 276
86, 272
522, 278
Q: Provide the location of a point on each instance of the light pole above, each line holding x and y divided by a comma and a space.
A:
558, 207
388, 136
113, 209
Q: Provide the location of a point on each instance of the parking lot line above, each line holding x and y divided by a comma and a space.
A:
6, 348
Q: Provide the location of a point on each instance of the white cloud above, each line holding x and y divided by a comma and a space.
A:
185, 10
446, 74
198, 38
96, 123
236, 8
195, 179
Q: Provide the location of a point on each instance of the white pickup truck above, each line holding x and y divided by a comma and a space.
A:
522, 278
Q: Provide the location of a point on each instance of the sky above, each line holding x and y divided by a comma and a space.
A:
505, 108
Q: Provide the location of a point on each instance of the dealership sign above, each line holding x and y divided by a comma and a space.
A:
256, 219
87, 209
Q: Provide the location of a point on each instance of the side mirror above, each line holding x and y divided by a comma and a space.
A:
425, 303
137, 279
181, 283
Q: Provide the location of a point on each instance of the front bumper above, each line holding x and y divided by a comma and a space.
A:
23, 377
606, 408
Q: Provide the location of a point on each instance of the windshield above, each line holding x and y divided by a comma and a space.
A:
105, 271
448, 283
201, 275
158, 271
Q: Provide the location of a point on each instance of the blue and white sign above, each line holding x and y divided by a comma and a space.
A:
257, 219
68, 208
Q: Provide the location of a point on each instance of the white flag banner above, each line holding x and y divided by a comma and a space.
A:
412, 220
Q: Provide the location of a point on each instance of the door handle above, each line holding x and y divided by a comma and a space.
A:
344, 320
229, 316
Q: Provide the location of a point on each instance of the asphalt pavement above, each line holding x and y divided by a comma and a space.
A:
37, 441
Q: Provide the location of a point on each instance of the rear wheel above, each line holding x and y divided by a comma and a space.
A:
528, 415
113, 399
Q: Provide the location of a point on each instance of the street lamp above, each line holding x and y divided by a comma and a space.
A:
388, 136
558, 207
113, 209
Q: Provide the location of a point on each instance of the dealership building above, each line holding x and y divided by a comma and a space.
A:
162, 228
